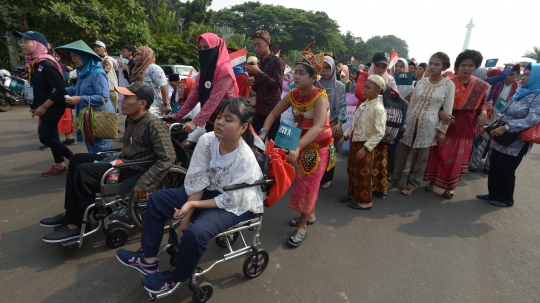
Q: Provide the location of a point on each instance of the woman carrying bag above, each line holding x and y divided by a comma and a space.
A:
522, 113
92, 89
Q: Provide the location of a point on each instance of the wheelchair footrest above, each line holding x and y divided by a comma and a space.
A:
70, 243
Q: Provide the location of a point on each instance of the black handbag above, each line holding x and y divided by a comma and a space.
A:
505, 139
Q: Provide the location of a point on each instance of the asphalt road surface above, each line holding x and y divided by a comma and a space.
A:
422, 248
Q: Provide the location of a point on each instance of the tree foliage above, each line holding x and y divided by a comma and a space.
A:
355, 46
290, 28
389, 42
534, 54
197, 11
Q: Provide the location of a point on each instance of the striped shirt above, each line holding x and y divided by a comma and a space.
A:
147, 138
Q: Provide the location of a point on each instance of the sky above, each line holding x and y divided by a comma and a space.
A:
430, 26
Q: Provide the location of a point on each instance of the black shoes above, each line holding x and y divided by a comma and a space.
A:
53, 221
355, 205
68, 141
62, 234
345, 199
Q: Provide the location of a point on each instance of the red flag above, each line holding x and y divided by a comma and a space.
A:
190, 73
278, 53
238, 57
352, 59
393, 59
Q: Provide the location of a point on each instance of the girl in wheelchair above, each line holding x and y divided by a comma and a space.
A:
223, 157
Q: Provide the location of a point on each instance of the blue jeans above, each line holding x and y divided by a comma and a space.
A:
205, 225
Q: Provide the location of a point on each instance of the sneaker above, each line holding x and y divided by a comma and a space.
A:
136, 260
160, 282
62, 234
54, 171
53, 221
326, 185
68, 141
44, 147
473, 169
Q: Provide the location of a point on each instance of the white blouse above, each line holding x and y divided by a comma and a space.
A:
241, 168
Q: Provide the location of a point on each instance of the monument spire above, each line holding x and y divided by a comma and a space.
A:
468, 36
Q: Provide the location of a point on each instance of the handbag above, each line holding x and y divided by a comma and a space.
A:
105, 123
505, 139
396, 112
532, 134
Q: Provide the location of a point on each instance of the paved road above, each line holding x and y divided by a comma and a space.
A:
422, 248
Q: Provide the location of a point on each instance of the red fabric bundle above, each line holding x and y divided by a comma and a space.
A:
281, 171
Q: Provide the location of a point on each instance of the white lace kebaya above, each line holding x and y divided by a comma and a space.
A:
203, 173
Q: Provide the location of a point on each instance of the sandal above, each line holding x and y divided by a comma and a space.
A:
296, 221
380, 194
296, 239
391, 185
448, 194
429, 187
407, 191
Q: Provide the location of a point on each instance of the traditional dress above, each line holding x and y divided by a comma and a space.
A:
366, 131
450, 160
316, 157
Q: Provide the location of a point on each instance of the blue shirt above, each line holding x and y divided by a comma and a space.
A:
91, 88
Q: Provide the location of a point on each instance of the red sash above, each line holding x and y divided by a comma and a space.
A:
469, 98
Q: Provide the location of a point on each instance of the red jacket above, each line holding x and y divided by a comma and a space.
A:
359, 88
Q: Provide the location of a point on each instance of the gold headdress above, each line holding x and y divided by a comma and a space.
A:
308, 58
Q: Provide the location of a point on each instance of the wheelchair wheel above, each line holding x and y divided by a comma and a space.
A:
116, 238
208, 288
220, 241
174, 179
255, 263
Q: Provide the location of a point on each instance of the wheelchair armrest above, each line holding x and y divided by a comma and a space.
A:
110, 150
136, 163
245, 185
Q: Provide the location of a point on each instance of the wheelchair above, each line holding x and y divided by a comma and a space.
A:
116, 200
255, 262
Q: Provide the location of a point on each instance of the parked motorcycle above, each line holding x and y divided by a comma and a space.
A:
11, 89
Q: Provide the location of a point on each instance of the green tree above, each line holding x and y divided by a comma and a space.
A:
291, 29
356, 47
389, 42
196, 11
534, 54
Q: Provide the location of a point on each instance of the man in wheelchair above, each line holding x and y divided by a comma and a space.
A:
145, 139
223, 157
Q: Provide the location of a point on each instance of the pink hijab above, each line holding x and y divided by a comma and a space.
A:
223, 65
41, 53
387, 77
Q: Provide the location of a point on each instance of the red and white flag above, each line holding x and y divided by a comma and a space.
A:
238, 57
191, 73
287, 69
352, 59
393, 59
278, 53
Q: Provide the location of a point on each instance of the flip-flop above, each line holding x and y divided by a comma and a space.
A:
447, 194
409, 189
428, 189
298, 238
297, 220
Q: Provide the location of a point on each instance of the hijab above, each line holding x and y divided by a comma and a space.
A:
188, 84
480, 73
533, 83
404, 90
387, 78
41, 53
215, 64
345, 79
332, 86
91, 65
145, 57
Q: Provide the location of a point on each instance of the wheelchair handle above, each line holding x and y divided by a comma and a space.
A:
245, 185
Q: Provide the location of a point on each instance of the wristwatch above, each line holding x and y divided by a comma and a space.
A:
507, 127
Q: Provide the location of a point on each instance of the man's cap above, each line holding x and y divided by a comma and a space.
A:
174, 77
100, 44
33, 35
138, 89
381, 57
412, 63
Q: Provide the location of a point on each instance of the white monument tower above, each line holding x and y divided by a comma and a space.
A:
468, 37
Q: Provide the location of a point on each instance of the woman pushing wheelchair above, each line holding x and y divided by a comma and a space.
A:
222, 157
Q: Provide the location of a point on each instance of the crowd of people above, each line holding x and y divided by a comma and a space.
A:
454, 119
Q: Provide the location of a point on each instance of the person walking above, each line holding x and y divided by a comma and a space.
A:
47, 100
522, 113
92, 87
313, 155
265, 80
110, 67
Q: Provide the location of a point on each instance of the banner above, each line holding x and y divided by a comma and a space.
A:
491, 62
288, 136
403, 78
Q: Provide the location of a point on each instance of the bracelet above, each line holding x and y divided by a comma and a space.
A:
263, 131
164, 104
46, 108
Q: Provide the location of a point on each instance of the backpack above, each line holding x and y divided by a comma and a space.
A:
396, 112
